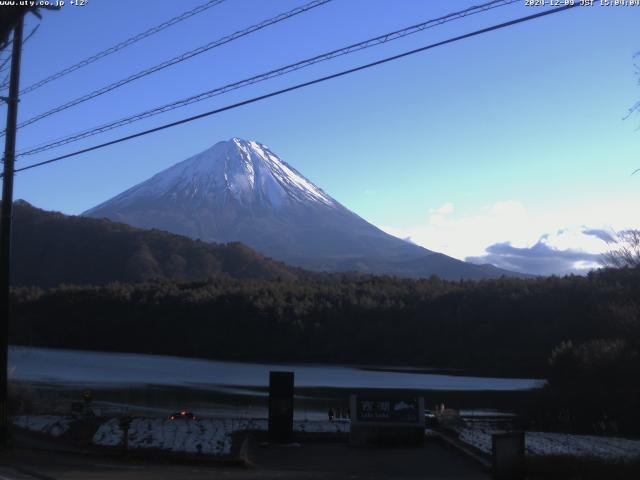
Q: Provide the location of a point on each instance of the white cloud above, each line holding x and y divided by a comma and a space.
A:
444, 209
463, 236
507, 234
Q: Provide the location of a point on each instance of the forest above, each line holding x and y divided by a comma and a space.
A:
92, 251
580, 332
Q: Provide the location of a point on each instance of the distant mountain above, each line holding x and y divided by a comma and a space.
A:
50, 248
241, 191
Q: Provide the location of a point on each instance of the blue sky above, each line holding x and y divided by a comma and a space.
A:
506, 147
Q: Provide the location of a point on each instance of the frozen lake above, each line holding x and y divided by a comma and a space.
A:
101, 369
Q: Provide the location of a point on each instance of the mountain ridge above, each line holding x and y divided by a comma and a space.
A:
240, 190
50, 248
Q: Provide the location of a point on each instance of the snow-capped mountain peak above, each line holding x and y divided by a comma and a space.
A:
240, 190
241, 171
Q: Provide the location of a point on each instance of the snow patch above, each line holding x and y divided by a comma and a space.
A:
54, 425
545, 443
109, 434
246, 170
205, 436
322, 426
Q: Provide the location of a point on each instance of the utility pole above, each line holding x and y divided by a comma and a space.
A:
5, 222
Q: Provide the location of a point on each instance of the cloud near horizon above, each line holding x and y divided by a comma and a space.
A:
603, 235
539, 259
508, 236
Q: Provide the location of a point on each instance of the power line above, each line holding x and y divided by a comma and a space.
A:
33, 31
121, 45
176, 60
4, 66
268, 75
302, 85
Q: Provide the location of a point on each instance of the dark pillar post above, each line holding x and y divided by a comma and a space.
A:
508, 454
5, 221
280, 407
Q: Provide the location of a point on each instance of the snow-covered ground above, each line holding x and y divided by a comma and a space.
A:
544, 443
202, 436
205, 436
86, 368
485, 412
54, 425
211, 436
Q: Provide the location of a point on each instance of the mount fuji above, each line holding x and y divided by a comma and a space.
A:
240, 190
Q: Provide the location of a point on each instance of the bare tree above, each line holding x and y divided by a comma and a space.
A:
626, 252
635, 108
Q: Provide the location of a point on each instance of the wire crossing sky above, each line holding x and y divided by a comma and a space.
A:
507, 148
173, 61
298, 86
121, 45
387, 37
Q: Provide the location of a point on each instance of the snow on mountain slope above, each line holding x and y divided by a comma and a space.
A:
247, 172
240, 190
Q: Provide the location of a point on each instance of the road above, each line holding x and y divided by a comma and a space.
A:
310, 460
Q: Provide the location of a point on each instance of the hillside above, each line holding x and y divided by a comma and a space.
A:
51, 248
240, 190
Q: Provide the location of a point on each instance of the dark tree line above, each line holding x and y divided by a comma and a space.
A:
508, 326
582, 333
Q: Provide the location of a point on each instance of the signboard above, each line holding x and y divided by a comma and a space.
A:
387, 410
